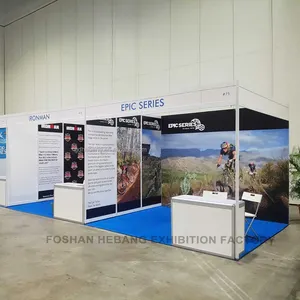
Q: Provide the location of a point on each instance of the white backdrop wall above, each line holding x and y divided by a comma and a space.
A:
90, 52
287, 58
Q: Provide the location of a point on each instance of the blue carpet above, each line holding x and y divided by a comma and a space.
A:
265, 230
154, 225
42, 208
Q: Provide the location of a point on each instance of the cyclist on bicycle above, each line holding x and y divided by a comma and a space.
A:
124, 173
227, 149
252, 168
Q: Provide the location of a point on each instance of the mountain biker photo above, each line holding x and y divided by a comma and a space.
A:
124, 171
252, 168
227, 149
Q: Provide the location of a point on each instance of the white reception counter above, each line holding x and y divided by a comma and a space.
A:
69, 202
209, 225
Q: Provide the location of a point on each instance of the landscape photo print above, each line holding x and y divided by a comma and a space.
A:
191, 146
191, 163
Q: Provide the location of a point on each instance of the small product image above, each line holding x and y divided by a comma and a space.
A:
74, 165
67, 156
80, 156
80, 138
67, 175
74, 147
80, 174
67, 137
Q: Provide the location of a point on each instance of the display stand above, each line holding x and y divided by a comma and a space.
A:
208, 225
69, 202
2, 190
227, 113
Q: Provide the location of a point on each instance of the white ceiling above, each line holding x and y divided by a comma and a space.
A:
11, 10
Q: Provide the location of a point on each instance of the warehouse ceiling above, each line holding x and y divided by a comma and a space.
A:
12, 10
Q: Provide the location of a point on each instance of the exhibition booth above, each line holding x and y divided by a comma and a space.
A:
152, 168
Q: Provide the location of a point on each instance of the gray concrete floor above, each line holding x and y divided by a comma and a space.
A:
32, 269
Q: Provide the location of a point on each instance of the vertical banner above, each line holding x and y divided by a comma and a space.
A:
50, 159
129, 163
2, 143
2, 151
73, 153
151, 161
101, 171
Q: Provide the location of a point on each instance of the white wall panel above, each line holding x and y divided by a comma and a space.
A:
13, 49
1, 70
216, 41
153, 36
125, 38
286, 24
69, 52
27, 66
53, 34
103, 51
125, 88
253, 45
286, 46
125, 49
185, 32
40, 60
153, 47
154, 84
77, 52
85, 51
184, 78
185, 43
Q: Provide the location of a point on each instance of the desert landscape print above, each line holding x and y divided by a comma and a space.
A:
189, 167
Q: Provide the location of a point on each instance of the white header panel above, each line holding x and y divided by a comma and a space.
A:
189, 102
68, 115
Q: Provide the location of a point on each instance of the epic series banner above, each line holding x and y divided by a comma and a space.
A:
199, 154
151, 161
192, 157
129, 163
